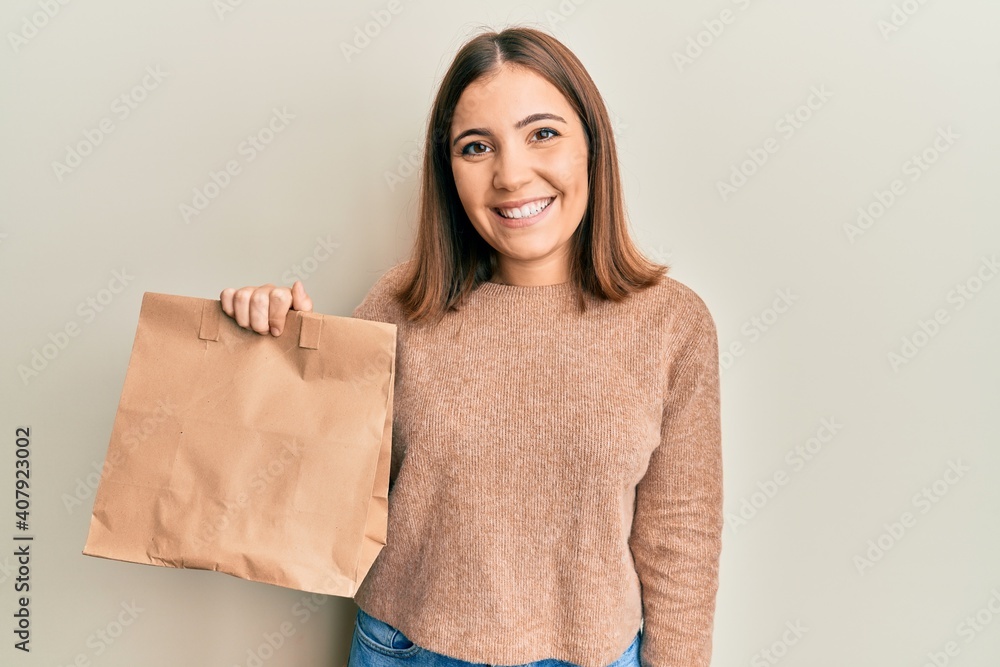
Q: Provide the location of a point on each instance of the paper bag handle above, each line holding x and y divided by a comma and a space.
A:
309, 332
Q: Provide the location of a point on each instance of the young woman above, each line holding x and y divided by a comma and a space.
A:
556, 479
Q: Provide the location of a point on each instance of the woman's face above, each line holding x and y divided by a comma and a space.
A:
519, 157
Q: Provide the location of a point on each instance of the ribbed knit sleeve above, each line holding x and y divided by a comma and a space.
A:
676, 533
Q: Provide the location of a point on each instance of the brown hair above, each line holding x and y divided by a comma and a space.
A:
452, 259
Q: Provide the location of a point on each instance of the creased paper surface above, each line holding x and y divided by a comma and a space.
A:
266, 458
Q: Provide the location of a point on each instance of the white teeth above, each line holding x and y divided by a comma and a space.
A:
526, 211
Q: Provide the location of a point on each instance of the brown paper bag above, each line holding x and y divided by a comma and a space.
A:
266, 458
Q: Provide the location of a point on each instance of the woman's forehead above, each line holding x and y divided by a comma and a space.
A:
509, 95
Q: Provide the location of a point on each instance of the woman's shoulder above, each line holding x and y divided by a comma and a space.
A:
379, 304
680, 314
675, 318
677, 298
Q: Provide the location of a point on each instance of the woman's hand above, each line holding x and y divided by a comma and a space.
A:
263, 309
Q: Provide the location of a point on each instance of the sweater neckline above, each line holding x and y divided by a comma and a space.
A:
491, 287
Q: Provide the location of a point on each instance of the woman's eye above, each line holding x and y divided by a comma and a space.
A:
467, 151
552, 132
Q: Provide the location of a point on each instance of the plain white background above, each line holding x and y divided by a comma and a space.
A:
850, 266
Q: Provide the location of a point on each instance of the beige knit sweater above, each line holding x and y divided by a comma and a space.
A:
556, 478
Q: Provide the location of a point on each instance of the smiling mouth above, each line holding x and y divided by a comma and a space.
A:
529, 210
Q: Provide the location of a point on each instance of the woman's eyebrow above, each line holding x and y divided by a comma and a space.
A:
517, 126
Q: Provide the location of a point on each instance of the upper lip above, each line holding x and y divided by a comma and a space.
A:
518, 203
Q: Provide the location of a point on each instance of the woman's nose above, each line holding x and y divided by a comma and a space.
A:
512, 170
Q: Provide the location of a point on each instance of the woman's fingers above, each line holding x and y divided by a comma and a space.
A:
261, 303
241, 306
300, 300
226, 297
264, 309
280, 300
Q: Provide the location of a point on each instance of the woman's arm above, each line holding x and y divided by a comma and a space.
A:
677, 528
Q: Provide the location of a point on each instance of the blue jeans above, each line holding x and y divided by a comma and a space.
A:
378, 644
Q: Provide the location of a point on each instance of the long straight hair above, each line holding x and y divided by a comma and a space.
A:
452, 259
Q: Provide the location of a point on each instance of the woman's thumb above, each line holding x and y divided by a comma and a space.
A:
300, 300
